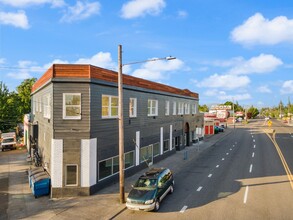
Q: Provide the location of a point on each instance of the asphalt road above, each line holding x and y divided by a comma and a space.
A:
241, 177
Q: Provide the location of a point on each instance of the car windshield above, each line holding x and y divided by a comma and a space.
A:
8, 140
146, 183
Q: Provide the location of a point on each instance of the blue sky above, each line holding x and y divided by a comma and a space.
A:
226, 50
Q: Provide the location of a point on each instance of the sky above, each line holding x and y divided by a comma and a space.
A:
226, 50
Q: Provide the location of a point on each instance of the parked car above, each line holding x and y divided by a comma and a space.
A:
220, 129
150, 189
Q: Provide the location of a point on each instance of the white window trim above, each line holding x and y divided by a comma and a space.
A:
64, 107
110, 106
174, 108
76, 175
134, 108
186, 108
180, 108
167, 108
151, 107
46, 103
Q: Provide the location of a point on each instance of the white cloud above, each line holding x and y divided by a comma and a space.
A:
81, 11
157, 70
139, 8
236, 97
264, 63
101, 59
287, 87
182, 14
18, 19
2, 60
259, 30
225, 82
264, 89
26, 3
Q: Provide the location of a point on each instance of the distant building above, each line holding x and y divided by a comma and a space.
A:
75, 125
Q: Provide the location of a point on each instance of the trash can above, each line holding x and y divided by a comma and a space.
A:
32, 172
41, 185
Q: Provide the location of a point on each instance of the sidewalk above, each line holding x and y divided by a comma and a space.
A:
103, 205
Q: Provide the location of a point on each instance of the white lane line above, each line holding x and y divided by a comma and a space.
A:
199, 188
245, 195
254, 146
183, 209
252, 136
227, 153
217, 166
210, 175
230, 148
250, 168
223, 158
253, 154
253, 140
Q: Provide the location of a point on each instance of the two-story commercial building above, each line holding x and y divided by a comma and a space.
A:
75, 125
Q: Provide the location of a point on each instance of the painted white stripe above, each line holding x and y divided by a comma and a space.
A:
253, 140
223, 158
199, 189
250, 168
230, 148
253, 154
233, 145
183, 209
254, 146
227, 153
245, 195
210, 175
217, 166
252, 136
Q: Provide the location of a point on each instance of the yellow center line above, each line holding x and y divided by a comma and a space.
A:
286, 167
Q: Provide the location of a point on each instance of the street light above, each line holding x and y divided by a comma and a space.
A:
120, 117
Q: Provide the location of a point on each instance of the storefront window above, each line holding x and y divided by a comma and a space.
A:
71, 175
156, 148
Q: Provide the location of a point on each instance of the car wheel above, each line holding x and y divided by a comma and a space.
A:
157, 206
171, 189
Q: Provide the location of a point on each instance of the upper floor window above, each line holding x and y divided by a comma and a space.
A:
109, 106
186, 108
71, 106
174, 108
46, 103
152, 107
167, 108
193, 108
132, 107
180, 108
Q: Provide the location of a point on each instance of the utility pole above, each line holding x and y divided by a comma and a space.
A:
121, 127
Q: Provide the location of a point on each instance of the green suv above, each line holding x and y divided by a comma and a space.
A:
150, 189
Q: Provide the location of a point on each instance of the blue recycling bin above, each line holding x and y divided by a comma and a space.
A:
32, 172
40, 185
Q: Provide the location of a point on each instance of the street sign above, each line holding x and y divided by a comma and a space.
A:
270, 123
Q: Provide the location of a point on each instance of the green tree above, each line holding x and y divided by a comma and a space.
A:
24, 91
253, 112
203, 108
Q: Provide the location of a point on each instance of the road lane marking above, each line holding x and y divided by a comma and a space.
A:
233, 145
254, 146
217, 166
210, 175
250, 168
245, 195
253, 140
230, 148
227, 153
183, 209
199, 189
253, 154
223, 158
286, 167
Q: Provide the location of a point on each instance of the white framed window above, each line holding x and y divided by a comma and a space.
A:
71, 175
193, 108
174, 108
46, 103
180, 108
152, 107
166, 145
132, 107
109, 106
167, 108
34, 105
128, 159
71, 106
186, 108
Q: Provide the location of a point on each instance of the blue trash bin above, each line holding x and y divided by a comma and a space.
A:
41, 185
32, 172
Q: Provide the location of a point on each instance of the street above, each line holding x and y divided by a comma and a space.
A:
241, 177
238, 174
